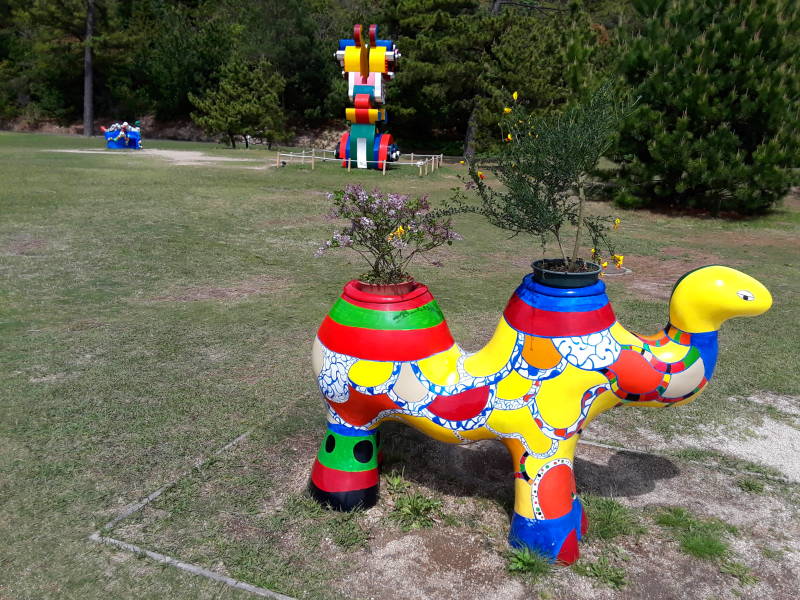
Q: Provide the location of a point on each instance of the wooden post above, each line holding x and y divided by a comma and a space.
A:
277, 159
412, 157
384, 167
420, 169
312, 159
348, 164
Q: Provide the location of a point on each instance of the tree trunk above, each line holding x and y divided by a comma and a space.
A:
233, 141
88, 73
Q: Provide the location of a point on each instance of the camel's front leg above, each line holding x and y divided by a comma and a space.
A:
548, 517
345, 473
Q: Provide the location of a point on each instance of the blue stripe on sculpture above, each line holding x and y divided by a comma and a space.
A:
708, 345
546, 535
351, 431
540, 296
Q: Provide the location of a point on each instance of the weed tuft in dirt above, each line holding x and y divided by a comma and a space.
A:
772, 553
702, 538
740, 571
396, 482
603, 571
525, 562
415, 511
609, 519
753, 486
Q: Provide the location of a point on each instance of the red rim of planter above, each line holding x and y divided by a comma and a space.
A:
358, 292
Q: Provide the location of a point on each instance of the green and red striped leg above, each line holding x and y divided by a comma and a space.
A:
345, 473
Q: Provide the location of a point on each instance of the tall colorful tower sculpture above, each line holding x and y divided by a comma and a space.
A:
368, 64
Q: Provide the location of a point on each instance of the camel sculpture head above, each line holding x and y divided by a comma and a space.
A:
705, 298
556, 361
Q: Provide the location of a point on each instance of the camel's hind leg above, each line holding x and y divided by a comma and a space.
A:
345, 473
548, 517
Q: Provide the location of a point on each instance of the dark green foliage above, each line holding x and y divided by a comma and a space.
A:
245, 102
461, 60
298, 40
181, 50
543, 169
717, 126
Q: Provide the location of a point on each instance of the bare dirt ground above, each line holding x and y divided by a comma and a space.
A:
176, 157
774, 442
464, 554
468, 562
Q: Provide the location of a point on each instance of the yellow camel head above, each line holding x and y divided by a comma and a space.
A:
705, 298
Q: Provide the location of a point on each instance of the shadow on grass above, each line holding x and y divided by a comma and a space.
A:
484, 470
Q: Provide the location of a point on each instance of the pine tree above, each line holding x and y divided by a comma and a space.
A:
717, 125
244, 103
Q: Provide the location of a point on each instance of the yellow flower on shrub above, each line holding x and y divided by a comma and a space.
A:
515, 95
616, 223
397, 233
507, 110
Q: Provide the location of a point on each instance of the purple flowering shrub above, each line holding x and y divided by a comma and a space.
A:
387, 230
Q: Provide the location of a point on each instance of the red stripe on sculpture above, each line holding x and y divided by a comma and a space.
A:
548, 323
334, 480
392, 345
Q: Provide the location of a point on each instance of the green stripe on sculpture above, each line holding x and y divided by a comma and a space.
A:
428, 315
348, 452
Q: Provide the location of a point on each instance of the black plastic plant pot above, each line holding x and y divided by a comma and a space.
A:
547, 271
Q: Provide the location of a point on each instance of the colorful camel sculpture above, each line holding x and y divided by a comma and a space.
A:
557, 360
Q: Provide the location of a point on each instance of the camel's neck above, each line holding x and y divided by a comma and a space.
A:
706, 344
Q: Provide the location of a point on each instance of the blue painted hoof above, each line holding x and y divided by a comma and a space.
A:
556, 539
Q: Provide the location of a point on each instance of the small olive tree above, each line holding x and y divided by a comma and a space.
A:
245, 102
543, 167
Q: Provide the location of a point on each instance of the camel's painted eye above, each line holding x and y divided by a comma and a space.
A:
745, 295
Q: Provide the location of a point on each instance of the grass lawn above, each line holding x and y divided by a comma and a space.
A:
151, 311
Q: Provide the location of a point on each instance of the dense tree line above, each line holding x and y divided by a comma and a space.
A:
717, 80
460, 57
